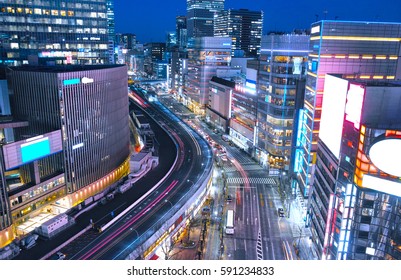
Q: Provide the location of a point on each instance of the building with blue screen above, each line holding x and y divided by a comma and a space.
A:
75, 146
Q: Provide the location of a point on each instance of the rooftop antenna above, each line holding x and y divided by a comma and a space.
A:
317, 16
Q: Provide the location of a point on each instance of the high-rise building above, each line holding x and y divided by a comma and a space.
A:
243, 26
181, 31
282, 68
355, 202
63, 32
110, 29
208, 54
75, 146
361, 50
200, 15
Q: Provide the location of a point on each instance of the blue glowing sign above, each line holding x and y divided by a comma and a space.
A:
71, 82
34, 150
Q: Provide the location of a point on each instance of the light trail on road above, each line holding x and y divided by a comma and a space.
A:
118, 231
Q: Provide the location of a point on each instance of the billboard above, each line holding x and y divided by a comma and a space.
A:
386, 154
353, 108
333, 109
26, 151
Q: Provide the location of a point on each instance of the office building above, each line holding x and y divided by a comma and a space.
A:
110, 29
243, 26
282, 69
218, 109
125, 40
208, 54
181, 31
361, 50
75, 146
355, 202
56, 32
244, 107
200, 16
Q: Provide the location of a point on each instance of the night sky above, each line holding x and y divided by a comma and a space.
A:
150, 20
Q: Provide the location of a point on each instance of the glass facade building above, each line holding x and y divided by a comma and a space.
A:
283, 62
200, 16
243, 26
361, 50
63, 32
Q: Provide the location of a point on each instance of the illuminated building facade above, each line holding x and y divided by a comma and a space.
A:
361, 50
356, 200
282, 69
243, 26
208, 54
243, 112
200, 16
76, 144
63, 32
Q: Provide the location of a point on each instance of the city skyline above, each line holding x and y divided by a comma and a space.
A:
151, 22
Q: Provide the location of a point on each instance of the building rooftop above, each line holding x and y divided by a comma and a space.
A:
64, 68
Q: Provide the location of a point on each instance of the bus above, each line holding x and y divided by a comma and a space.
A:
230, 222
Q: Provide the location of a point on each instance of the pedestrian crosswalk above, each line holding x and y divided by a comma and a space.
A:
252, 167
259, 250
251, 180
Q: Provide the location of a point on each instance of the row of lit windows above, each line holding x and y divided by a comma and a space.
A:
37, 191
48, 12
62, 4
356, 56
54, 29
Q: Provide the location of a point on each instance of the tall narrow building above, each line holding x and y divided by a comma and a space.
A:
243, 26
181, 31
361, 50
200, 16
282, 72
56, 32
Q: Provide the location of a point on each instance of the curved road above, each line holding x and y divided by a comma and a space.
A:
194, 158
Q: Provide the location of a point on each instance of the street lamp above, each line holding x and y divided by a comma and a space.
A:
166, 200
191, 182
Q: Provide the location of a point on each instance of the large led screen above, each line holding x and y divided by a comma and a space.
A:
25, 151
386, 155
353, 108
36, 149
333, 109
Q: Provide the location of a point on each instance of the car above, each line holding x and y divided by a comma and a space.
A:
206, 210
280, 212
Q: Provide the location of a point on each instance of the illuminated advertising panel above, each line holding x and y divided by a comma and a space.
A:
333, 109
353, 108
25, 151
35, 149
297, 67
386, 154
250, 86
381, 185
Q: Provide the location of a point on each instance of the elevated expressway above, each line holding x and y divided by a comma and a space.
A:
163, 211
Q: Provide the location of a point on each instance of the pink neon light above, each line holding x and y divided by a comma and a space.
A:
328, 223
118, 231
